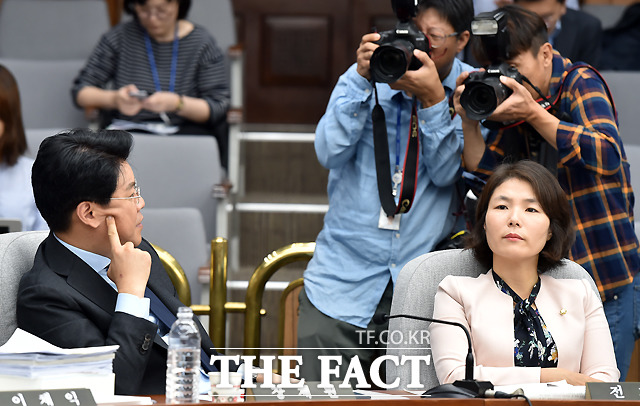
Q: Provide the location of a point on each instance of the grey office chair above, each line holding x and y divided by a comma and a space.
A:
17, 251
180, 231
625, 88
45, 92
414, 292
217, 17
178, 171
51, 29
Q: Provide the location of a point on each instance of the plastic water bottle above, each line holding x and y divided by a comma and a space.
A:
183, 359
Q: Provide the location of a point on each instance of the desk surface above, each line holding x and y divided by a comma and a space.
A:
431, 402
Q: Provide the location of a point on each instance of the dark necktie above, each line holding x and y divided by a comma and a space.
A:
165, 319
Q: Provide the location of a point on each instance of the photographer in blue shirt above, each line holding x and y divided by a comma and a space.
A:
362, 247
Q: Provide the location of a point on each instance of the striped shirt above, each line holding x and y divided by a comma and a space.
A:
592, 169
120, 58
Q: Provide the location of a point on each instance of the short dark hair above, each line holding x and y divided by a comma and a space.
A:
526, 31
76, 166
553, 201
183, 7
459, 13
13, 142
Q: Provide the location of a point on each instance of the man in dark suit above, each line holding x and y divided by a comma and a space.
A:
95, 281
575, 34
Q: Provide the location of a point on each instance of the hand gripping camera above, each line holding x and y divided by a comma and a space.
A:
394, 56
483, 90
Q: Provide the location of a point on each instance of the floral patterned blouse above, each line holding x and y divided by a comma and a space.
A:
533, 344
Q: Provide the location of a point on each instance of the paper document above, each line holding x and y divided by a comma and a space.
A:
124, 400
551, 390
152, 127
29, 356
379, 395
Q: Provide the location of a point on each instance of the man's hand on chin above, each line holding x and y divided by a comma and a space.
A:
130, 266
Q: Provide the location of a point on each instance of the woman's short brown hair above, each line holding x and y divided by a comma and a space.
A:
13, 142
552, 199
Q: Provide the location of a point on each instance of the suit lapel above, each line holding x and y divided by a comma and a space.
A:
79, 275
86, 281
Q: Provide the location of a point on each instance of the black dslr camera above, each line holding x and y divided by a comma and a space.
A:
394, 56
483, 91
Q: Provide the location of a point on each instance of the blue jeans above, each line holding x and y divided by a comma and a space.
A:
623, 315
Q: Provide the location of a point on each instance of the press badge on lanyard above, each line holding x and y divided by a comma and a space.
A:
386, 222
389, 223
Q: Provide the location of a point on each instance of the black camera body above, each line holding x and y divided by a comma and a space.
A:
484, 92
395, 56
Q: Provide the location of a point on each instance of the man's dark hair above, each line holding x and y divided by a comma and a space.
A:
552, 199
459, 13
76, 166
526, 31
183, 7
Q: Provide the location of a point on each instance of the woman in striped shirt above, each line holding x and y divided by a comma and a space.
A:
158, 67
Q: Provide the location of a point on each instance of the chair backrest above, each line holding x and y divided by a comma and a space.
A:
414, 293
608, 14
10, 225
288, 320
625, 88
45, 91
217, 17
633, 156
178, 171
51, 29
180, 231
17, 251
35, 136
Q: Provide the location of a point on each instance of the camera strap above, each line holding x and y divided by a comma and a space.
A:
383, 165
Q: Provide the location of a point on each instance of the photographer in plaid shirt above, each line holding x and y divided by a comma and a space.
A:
577, 139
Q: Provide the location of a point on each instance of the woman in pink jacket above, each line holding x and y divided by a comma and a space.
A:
526, 327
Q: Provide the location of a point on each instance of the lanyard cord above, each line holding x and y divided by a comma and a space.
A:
398, 134
153, 66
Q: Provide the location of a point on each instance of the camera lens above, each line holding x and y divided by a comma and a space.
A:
390, 62
482, 95
480, 101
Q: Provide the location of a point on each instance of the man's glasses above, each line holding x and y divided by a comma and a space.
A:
136, 195
437, 37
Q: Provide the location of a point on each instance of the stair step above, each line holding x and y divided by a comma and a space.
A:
283, 168
260, 232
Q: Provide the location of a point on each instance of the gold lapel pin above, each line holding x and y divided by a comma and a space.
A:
563, 312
